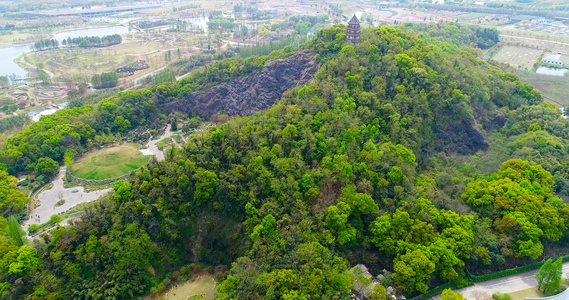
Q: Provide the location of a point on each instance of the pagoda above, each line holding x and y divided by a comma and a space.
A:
354, 32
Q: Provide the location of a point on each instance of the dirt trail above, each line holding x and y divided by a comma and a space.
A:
24, 62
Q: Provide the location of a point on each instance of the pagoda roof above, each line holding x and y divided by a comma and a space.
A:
354, 20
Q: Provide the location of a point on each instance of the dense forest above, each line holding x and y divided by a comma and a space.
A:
405, 153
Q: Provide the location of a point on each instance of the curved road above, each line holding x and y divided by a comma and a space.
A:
509, 284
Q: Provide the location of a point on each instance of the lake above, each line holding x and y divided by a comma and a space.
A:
8, 54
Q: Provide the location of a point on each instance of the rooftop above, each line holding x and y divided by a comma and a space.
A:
354, 20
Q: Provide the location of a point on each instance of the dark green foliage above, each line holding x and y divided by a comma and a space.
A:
95, 41
105, 80
13, 122
354, 167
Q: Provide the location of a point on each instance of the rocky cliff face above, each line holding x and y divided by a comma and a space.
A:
248, 94
463, 137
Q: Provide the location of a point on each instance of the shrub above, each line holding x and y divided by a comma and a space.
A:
500, 296
54, 219
33, 228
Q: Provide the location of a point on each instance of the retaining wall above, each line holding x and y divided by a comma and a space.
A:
84, 182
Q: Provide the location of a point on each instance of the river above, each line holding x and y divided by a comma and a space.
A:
8, 54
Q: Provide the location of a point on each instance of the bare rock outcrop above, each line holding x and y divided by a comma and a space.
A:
248, 94
463, 137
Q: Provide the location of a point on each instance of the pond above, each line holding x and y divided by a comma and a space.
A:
8, 54
551, 71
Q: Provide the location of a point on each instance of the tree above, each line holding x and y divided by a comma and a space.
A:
25, 262
206, 183
96, 81
244, 32
121, 124
448, 294
412, 271
378, 292
46, 167
549, 276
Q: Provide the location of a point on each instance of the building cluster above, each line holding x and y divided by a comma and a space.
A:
553, 59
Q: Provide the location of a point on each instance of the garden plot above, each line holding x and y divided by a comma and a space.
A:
518, 57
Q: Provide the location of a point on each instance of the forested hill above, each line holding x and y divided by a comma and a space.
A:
365, 164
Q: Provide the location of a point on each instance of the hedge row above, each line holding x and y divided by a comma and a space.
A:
509, 272
479, 278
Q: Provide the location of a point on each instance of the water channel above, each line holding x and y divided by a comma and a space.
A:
8, 54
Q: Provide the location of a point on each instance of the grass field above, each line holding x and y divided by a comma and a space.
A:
203, 285
517, 57
530, 293
109, 162
552, 87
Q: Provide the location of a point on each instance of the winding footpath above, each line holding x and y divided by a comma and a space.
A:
152, 144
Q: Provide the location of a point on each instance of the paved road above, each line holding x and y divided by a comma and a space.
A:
152, 144
48, 199
508, 284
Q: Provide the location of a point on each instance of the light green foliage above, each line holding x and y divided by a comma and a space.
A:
266, 228
448, 294
206, 183
534, 127
378, 293
337, 219
412, 271
11, 200
367, 162
123, 190
121, 124
520, 191
25, 261
46, 167
549, 276
501, 296
54, 219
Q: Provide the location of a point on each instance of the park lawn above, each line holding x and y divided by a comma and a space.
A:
109, 162
552, 87
529, 293
200, 286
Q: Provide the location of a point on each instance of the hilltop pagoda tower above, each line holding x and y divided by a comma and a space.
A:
354, 32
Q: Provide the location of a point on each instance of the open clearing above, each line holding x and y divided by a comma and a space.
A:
517, 57
202, 285
552, 87
109, 162
529, 293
